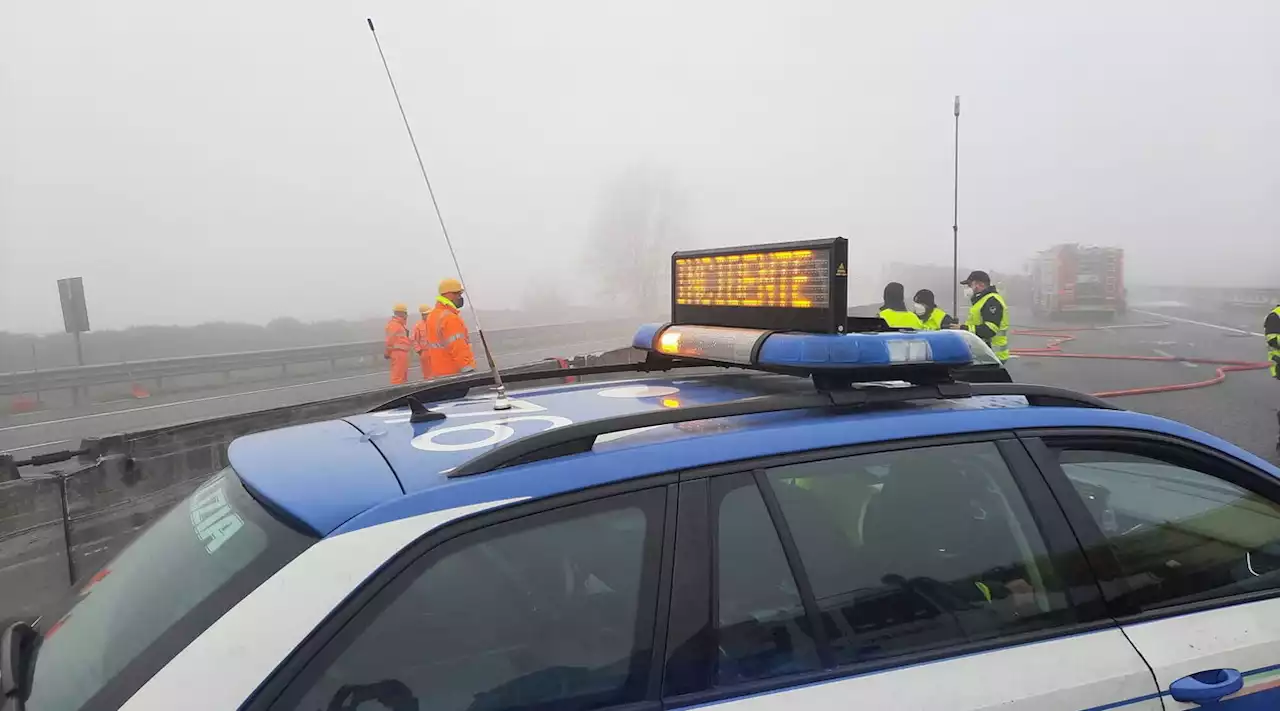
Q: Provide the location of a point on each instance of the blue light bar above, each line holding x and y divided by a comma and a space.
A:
645, 336
835, 352
806, 351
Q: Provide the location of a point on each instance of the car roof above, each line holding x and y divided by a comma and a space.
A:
371, 468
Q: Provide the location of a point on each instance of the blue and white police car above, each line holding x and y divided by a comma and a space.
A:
752, 517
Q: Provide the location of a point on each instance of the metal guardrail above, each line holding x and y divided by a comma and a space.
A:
147, 370
1254, 298
1211, 296
105, 374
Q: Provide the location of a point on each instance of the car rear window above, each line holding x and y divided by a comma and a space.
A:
116, 630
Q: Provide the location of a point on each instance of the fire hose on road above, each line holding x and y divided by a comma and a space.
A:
1060, 336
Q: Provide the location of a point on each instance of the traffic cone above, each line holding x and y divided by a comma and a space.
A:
140, 392
564, 363
24, 403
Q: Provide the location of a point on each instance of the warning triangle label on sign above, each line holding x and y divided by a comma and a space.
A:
840, 271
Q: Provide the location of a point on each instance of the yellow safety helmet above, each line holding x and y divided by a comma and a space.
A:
400, 308
424, 308
450, 285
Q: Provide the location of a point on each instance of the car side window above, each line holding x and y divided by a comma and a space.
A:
1178, 533
761, 628
920, 548
552, 610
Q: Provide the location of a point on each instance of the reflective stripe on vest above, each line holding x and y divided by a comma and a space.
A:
1000, 341
900, 319
1273, 349
984, 589
934, 322
444, 342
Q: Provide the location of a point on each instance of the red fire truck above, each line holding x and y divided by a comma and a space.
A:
1074, 279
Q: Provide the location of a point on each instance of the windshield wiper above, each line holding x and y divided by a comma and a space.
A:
17, 643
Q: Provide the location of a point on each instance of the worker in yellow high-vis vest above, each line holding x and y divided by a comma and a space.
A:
1271, 327
988, 313
931, 315
894, 311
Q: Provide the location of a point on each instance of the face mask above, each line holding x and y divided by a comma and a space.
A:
458, 302
968, 292
920, 309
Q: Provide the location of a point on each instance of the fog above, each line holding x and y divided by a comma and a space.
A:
244, 161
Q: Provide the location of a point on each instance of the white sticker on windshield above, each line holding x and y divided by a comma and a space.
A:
212, 517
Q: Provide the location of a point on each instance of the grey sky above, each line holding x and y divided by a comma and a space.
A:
241, 161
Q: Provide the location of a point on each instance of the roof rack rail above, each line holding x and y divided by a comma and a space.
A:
581, 436
459, 387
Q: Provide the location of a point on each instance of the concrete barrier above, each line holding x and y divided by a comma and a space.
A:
124, 482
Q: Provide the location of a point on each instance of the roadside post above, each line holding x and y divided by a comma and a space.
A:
75, 320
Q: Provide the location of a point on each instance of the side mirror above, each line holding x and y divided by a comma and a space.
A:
15, 646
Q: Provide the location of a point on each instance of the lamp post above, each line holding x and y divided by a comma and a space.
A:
955, 219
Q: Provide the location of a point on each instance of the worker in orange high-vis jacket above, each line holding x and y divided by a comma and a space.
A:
448, 346
397, 348
418, 339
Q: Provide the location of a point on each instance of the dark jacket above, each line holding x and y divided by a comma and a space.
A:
895, 297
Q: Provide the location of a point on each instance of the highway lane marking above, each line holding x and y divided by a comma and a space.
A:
34, 446
1166, 354
212, 398
1202, 323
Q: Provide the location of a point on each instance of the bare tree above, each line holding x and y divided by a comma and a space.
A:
544, 298
641, 219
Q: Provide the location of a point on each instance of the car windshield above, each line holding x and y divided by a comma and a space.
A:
123, 624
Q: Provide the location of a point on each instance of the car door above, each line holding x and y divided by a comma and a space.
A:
1188, 541
931, 575
551, 608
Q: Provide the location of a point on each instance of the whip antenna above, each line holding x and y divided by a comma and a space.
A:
955, 219
501, 403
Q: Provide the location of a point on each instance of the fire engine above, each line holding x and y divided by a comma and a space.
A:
1075, 279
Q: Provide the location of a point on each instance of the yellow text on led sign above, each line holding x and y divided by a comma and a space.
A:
796, 279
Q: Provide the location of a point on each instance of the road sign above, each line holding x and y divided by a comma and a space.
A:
75, 313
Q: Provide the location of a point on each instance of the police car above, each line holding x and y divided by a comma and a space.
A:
755, 518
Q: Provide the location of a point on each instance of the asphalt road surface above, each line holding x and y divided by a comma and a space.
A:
1241, 410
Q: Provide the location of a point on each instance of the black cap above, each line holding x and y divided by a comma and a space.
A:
978, 276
